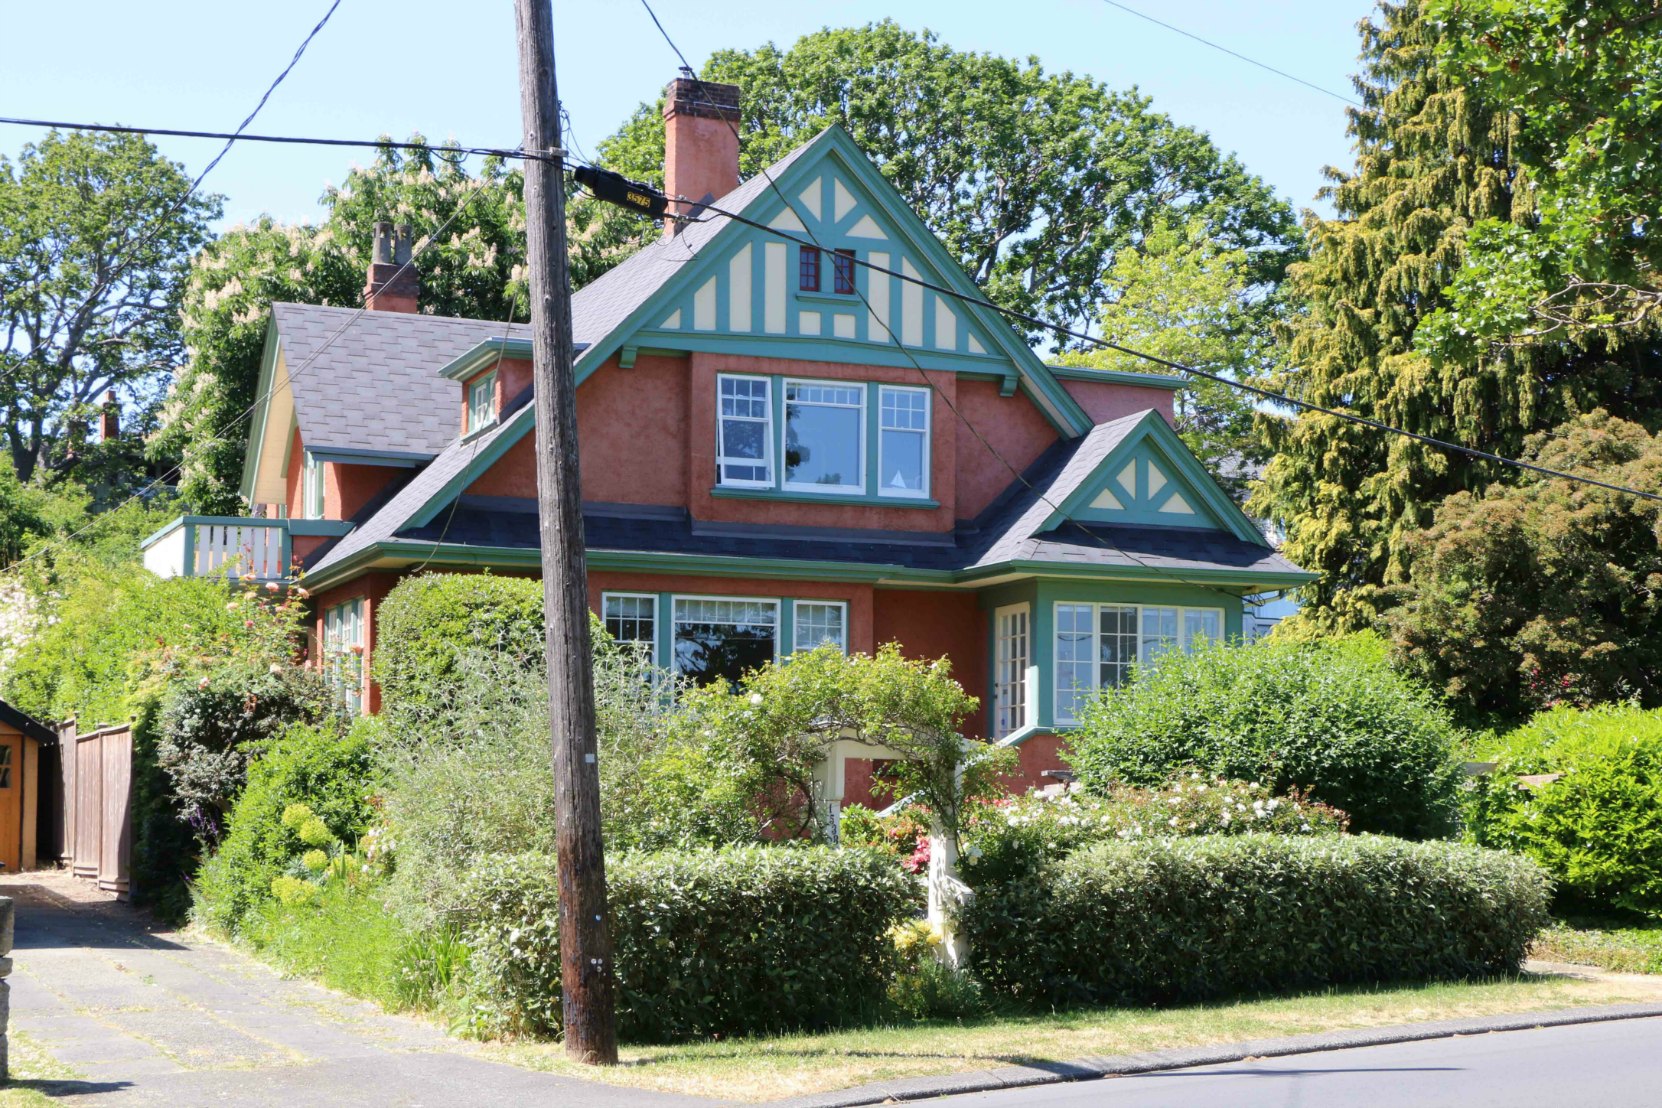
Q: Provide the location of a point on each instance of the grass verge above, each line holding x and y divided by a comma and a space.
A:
1620, 949
793, 1065
37, 1078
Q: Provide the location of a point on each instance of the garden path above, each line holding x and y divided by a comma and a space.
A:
142, 1016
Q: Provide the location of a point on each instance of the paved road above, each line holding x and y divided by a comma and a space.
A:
146, 1017
1599, 1065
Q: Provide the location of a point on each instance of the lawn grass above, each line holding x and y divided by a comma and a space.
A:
792, 1065
1632, 949
36, 1077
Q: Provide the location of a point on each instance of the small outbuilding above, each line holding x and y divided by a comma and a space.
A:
21, 739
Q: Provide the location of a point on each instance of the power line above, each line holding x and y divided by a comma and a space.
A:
292, 140
882, 319
1233, 53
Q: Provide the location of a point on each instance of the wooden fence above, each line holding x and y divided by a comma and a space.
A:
95, 809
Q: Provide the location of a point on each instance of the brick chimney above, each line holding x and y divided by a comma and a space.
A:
109, 419
701, 144
388, 289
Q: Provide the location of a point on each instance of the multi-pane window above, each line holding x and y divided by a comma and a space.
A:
311, 487
632, 620
842, 272
903, 442
818, 622
825, 436
1098, 645
1010, 679
481, 403
744, 444
807, 268
722, 639
343, 651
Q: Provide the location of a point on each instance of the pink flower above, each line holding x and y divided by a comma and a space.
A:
271, 586
202, 684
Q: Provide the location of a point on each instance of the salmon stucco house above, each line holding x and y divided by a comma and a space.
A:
763, 469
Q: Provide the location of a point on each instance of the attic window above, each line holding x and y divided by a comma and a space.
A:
842, 272
807, 273
481, 403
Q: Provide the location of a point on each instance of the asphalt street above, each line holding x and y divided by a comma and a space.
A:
1601, 1065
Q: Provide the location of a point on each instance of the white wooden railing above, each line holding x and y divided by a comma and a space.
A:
219, 546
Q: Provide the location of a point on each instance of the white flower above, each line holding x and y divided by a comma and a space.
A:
755, 698
1172, 822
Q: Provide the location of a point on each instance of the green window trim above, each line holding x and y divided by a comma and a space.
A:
1128, 645
650, 618
343, 651
888, 415
481, 404
311, 487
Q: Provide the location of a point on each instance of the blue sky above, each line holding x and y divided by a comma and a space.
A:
447, 69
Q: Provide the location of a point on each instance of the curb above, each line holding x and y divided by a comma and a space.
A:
1085, 1069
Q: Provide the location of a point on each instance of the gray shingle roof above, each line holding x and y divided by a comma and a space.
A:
370, 380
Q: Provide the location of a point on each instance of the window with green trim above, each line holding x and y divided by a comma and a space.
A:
825, 433
632, 620
481, 403
820, 623
311, 488
1097, 646
903, 441
343, 651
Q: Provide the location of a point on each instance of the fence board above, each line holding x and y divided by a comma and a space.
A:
116, 839
89, 804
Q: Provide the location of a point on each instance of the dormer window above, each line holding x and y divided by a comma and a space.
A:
481, 403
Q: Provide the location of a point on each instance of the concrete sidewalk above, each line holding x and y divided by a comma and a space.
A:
149, 1017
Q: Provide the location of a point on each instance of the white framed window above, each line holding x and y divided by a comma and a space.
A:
311, 487
1097, 646
632, 620
721, 638
1011, 630
825, 436
903, 442
343, 651
481, 403
744, 431
817, 622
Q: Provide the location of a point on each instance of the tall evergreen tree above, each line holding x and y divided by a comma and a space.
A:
1431, 160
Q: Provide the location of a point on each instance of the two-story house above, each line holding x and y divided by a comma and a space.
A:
764, 469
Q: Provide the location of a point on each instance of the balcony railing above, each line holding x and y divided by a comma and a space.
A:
219, 546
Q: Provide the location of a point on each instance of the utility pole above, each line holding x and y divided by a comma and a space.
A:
586, 979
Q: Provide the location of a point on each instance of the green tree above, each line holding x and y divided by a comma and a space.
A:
96, 234
1585, 79
1035, 181
1544, 592
1433, 159
1187, 299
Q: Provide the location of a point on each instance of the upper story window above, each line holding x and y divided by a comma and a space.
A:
1097, 645
744, 431
822, 437
825, 425
481, 403
808, 278
311, 488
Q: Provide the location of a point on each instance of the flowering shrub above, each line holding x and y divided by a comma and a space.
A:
706, 942
1015, 835
1164, 920
1597, 827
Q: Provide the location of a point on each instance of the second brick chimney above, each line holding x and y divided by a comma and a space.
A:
701, 144
392, 285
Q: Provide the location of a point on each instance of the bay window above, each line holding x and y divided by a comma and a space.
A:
825, 436
1098, 645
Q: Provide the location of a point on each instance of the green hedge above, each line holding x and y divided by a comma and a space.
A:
426, 623
1598, 827
1330, 716
713, 942
1193, 919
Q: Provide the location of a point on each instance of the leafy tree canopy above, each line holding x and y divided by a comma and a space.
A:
1585, 79
1544, 592
1035, 181
96, 234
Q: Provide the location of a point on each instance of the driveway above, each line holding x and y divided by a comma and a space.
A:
141, 1016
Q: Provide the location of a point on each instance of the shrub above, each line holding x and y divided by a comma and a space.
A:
1170, 920
427, 623
717, 942
1011, 838
1328, 716
308, 775
1598, 827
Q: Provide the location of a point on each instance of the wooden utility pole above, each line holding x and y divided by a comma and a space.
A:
586, 978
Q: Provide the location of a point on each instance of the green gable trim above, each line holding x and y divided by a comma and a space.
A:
1118, 377
1153, 437
509, 433
849, 351
484, 355
348, 456
723, 492
262, 410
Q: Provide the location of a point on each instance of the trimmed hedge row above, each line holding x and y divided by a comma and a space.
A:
706, 943
427, 622
1179, 919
